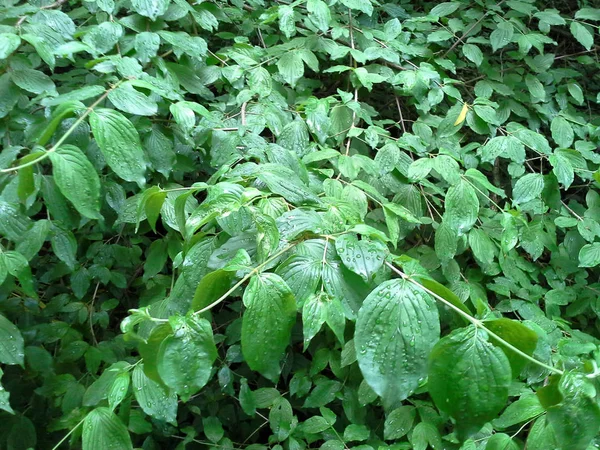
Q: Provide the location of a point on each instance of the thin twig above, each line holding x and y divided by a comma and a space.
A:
243, 111
400, 112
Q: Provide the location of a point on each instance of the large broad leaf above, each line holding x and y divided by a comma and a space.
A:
576, 419
150, 8
120, 144
462, 207
364, 257
185, 358
468, 379
516, 334
11, 343
102, 430
397, 327
77, 180
267, 323
156, 400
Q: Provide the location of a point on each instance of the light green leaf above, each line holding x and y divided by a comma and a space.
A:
77, 180
589, 255
120, 144
583, 34
155, 400
444, 9
468, 379
361, 5
11, 343
319, 14
396, 329
473, 53
185, 358
102, 430
9, 42
291, 67
562, 132
127, 99
399, 422
516, 334
462, 207
294, 137
150, 8
501, 441
364, 257
33, 81
520, 411
502, 35
528, 187
267, 323
286, 20
577, 407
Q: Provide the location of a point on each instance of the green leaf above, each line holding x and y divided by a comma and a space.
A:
291, 67
286, 20
102, 429
150, 8
267, 323
155, 400
578, 407
185, 358
501, 441
589, 255
280, 419
505, 146
364, 257
473, 53
360, 5
583, 34
8, 43
444, 9
528, 187
516, 334
118, 390
131, 101
502, 35
33, 81
562, 132
11, 343
212, 286
120, 144
77, 180
319, 14
285, 182
64, 245
541, 435
396, 329
468, 379
462, 207
399, 422
520, 411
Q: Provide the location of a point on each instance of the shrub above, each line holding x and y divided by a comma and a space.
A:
335, 224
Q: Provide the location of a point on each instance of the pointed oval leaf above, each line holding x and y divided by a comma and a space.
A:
185, 358
155, 400
267, 323
468, 379
120, 144
364, 257
396, 328
77, 180
102, 429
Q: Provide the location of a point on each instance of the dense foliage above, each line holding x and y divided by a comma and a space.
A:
322, 224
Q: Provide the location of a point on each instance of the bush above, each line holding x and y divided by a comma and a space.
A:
279, 225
